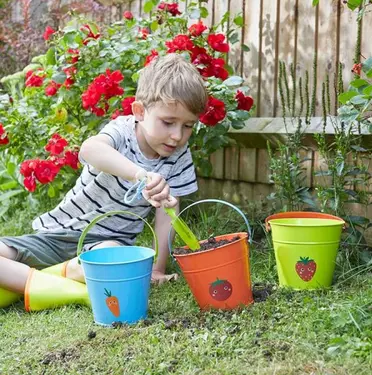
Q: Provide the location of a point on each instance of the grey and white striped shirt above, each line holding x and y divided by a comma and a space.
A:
97, 192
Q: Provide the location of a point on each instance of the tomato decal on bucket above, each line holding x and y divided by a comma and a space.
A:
220, 290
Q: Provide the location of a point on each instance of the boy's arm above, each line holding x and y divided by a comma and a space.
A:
162, 228
98, 152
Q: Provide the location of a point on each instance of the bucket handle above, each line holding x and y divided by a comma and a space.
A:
111, 213
214, 201
299, 215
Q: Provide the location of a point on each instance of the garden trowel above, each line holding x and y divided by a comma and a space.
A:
181, 228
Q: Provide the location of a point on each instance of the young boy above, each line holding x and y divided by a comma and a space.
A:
151, 144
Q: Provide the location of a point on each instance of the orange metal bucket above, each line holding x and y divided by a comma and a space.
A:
220, 278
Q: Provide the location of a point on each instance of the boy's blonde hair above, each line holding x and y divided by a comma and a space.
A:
172, 79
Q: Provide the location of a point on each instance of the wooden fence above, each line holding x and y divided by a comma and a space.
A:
292, 31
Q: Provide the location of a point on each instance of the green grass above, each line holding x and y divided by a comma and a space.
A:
311, 332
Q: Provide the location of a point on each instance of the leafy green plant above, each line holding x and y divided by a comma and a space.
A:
347, 164
89, 76
286, 161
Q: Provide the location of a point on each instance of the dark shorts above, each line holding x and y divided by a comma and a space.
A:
46, 249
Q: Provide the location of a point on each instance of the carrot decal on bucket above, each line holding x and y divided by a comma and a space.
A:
112, 303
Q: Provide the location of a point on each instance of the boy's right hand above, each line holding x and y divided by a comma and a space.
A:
157, 191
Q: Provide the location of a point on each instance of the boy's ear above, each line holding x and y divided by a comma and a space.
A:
138, 110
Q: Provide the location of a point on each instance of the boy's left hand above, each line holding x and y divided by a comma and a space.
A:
159, 277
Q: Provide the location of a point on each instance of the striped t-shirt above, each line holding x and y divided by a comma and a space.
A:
97, 192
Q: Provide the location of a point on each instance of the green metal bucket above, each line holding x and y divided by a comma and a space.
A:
305, 246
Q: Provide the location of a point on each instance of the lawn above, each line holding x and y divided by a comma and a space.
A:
284, 332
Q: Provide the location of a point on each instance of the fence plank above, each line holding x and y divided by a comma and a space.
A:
217, 160
235, 56
326, 50
286, 40
231, 163
306, 39
267, 57
348, 39
252, 39
210, 19
247, 164
135, 8
263, 166
366, 45
220, 8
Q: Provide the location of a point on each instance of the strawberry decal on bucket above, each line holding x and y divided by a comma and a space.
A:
220, 290
306, 268
112, 303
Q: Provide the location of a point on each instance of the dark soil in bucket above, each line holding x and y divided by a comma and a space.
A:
211, 243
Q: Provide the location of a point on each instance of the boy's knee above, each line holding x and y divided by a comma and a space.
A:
7, 252
106, 244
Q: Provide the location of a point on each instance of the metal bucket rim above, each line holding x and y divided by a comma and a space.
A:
116, 263
330, 223
195, 253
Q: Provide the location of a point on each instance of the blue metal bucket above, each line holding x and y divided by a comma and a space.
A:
118, 281
118, 278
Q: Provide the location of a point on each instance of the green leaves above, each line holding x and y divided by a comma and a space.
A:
148, 7
346, 96
59, 77
238, 20
233, 81
354, 4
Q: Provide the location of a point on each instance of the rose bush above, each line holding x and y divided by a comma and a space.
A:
88, 76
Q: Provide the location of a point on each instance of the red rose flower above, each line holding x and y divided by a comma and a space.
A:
197, 28
244, 102
126, 104
214, 113
27, 170
144, 32
34, 79
357, 69
216, 41
46, 171
30, 183
116, 114
56, 144
128, 15
28, 167
58, 161
170, 8
179, 43
199, 56
74, 56
72, 159
90, 34
215, 68
149, 58
103, 87
49, 31
4, 140
52, 88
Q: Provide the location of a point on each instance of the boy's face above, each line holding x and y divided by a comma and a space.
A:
163, 128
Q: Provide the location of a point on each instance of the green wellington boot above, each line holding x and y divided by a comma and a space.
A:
7, 297
44, 291
57, 269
